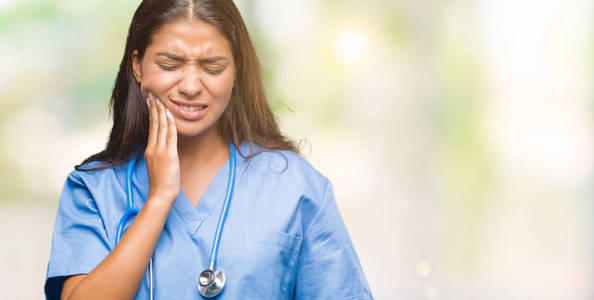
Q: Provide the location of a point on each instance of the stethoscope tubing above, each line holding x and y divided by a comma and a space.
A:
131, 210
228, 195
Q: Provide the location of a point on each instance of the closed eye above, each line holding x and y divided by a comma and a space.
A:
167, 68
211, 71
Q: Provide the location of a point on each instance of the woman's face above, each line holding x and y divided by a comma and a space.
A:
189, 66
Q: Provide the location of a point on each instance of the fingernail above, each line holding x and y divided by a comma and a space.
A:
148, 104
160, 104
150, 95
169, 115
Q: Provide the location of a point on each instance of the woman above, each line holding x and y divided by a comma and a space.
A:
187, 100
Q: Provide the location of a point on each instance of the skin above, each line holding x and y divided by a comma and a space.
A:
180, 154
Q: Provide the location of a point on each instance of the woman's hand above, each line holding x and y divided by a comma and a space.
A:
162, 160
120, 274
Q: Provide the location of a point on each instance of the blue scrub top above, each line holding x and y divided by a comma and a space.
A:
284, 237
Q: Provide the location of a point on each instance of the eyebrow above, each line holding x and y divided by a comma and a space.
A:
183, 59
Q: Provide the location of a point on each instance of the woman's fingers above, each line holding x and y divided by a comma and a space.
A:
153, 122
171, 133
161, 154
163, 126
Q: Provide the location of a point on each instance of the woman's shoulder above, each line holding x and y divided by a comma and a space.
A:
93, 173
284, 163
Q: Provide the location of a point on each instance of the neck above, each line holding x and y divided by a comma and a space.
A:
206, 149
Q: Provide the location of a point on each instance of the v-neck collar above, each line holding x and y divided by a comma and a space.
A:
192, 217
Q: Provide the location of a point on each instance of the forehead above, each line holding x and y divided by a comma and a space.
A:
191, 39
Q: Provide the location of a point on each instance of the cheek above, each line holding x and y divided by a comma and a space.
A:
157, 80
220, 88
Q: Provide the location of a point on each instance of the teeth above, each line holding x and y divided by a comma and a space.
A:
191, 108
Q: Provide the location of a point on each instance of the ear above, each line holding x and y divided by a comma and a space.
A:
136, 68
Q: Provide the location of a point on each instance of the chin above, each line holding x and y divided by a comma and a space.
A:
194, 132
189, 133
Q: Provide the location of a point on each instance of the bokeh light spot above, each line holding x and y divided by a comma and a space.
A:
350, 45
424, 269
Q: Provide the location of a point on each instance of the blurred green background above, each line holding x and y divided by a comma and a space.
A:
458, 134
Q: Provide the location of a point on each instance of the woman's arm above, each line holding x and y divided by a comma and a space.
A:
121, 272
119, 275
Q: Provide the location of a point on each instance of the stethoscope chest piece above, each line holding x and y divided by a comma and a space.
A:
211, 283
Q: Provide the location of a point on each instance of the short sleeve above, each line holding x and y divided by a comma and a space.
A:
79, 240
328, 267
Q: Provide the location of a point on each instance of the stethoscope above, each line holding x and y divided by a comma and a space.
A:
210, 281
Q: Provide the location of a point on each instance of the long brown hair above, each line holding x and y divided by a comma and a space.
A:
247, 118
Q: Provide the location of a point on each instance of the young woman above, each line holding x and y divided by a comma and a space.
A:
196, 149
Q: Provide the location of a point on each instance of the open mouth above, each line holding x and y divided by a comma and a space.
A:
191, 107
189, 111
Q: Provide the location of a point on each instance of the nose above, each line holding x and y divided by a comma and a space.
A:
191, 82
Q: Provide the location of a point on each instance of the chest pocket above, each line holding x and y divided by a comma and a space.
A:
267, 264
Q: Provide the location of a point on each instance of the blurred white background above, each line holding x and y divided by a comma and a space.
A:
458, 134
